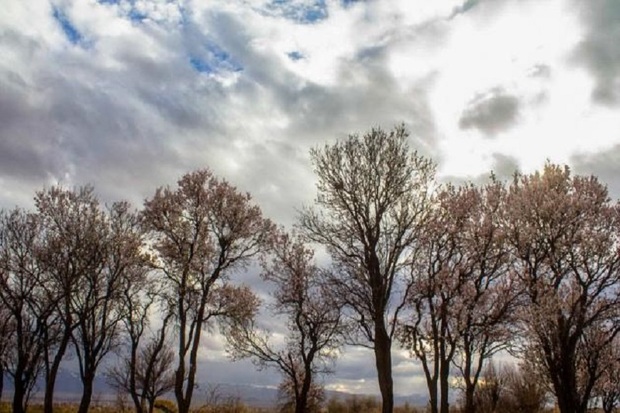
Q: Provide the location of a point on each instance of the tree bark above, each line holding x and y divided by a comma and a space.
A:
1, 380
50, 375
383, 360
444, 386
19, 394
87, 393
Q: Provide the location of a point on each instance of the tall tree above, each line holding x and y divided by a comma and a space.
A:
201, 232
462, 300
7, 328
565, 234
71, 250
608, 387
98, 305
489, 298
372, 196
313, 323
24, 303
439, 270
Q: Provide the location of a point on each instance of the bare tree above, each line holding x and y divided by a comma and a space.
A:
201, 232
145, 367
508, 389
25, 306
565, 234
71, 250
607, 389
98, 306
489, 297
147, 372
7, 328
313, 321
440, 272
372, 196
490, 392
462, 301
524, 391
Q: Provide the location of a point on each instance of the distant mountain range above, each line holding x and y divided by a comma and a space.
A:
69, 389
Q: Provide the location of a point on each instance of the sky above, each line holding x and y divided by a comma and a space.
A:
128, 95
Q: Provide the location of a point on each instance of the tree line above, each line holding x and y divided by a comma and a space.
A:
452, 273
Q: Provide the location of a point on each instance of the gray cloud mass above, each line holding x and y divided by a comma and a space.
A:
599, 51
490, 112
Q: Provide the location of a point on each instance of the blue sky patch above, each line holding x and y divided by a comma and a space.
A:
200, 65
213, 59
295, 55
301, 13
136, 16
72, 33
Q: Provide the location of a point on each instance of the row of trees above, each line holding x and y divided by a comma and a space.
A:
453, 274
77, 276
456, 274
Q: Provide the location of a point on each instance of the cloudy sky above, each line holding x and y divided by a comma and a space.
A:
130, 94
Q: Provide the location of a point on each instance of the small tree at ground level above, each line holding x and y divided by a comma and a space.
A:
313, 323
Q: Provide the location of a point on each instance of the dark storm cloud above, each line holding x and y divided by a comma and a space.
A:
491, 112
599, 51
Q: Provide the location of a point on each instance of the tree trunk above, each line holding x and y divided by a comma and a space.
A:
444, 386
469, 400
50, 376
87, 393
19, 395
182, 403
1, 380
138, 404
432, 402
301, 404
383, 359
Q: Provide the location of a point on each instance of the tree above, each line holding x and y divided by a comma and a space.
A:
461, 301
6, 333
98, 305
510, 390
145, 370
25, 306
372, 196
439, 270
565, 232
525, 392
489, 392
607, 389
313, 323
71, 251
200, 233
489, 298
